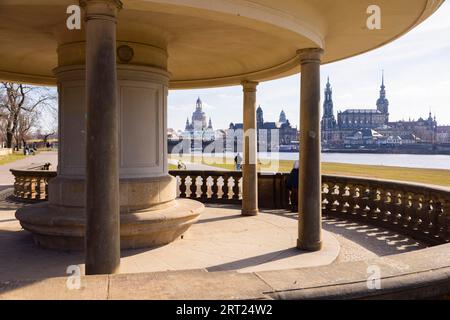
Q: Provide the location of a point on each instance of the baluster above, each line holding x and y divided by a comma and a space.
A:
326, 198
427, 213
193, 187
416, 212
46, 189
33, 187
386, 205
345, 196
177, 187
189, 182
219, 184
215, 188
204, 187
236, 188
38, 187
351, 199
182, 186
407, 207
42, 193
435, 214
334, 198
22, 186
26, 189
396, 207
374, 203
357, 200
340, 198
226, 187
367, 201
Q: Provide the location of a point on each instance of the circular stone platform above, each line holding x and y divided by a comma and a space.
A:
64, 229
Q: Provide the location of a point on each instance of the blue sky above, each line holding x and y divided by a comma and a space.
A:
417, 73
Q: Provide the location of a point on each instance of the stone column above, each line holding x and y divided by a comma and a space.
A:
249, 168
102, 141
310, 180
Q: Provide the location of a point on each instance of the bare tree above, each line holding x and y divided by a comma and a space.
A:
17, 100
27, 121
48, 124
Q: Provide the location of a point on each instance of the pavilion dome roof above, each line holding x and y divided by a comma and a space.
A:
208, 43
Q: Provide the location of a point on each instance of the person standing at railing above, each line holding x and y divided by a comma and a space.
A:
292, 186
238, 162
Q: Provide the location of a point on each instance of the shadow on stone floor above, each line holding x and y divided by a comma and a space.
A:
22, 259
219, 219
257, 260
10, 203
380, 241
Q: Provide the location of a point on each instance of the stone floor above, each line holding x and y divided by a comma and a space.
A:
221, 240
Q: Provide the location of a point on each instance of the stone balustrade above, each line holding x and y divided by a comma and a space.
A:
226, 187
420, 211
31, 183
209, 186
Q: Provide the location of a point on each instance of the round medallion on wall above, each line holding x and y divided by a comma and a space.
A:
125, 53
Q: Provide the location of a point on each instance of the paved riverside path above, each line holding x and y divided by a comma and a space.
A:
6, 177
196, 166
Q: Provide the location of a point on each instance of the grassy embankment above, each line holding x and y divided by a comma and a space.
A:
427, 176
11, 158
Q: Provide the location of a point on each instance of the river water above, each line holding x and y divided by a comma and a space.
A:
395, 160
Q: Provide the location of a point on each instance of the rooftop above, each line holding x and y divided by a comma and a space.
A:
363, 111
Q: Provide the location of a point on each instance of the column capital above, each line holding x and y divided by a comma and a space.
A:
310, 55
101, 9
249, 86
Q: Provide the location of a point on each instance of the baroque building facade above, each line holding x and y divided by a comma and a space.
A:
271, 135
199, 128
372, 126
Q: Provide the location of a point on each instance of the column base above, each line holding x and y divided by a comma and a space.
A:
249, 213
63, 228
312, 247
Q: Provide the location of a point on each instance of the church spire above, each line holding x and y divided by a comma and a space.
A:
199, 104
328, 122
382, 102
259, 117
383, 87
328, 103
282, 118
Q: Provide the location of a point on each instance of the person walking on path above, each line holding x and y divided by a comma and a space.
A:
292, 186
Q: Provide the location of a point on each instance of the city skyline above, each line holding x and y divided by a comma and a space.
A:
412, 91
